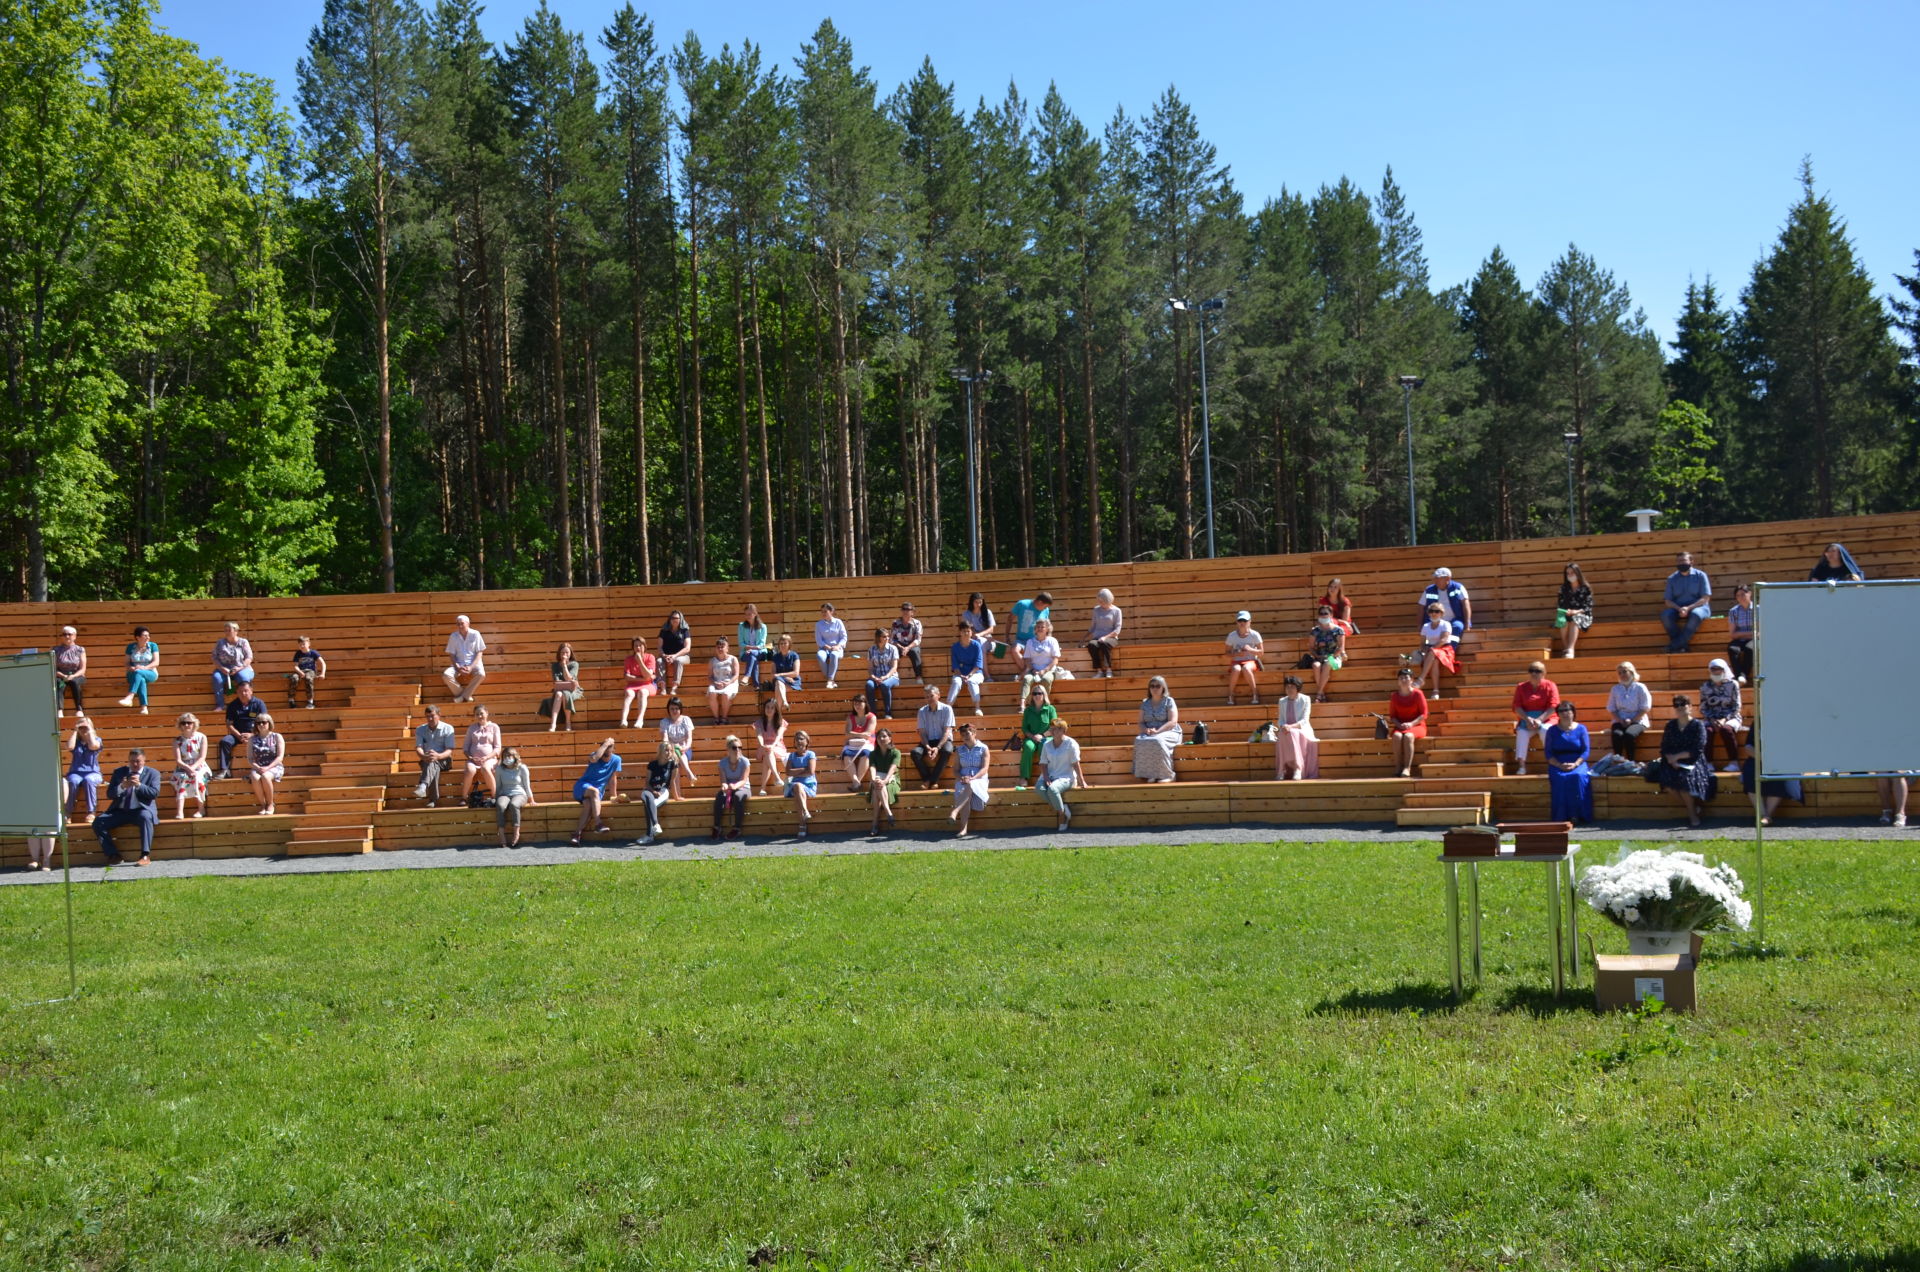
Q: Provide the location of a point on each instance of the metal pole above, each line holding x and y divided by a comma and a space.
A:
973, 498
1572, 527
1206, 427
1413, 508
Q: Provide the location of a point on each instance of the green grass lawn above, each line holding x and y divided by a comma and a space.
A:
1219, 1057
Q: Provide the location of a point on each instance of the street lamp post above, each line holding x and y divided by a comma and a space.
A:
1201, 310
968, 378
1408, 383
1572, 440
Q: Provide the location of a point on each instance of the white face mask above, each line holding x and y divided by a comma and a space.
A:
1716, 676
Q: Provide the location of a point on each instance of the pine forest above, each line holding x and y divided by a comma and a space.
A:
605, 307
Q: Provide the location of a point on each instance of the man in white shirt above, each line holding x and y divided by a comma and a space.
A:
465, 647
935, 721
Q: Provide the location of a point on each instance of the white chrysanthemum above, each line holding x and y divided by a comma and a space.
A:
1658, 890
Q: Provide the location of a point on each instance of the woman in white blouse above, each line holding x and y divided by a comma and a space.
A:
1630, 706
1042, 658
482, 748
1296, 749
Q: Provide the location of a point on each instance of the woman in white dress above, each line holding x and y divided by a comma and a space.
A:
191, 771
1159, 734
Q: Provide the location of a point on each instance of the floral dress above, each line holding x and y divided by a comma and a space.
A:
190, 767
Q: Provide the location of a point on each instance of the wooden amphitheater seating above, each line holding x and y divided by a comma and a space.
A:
352, 769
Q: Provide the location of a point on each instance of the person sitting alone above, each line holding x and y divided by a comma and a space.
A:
597, 787
1836, 564
466, 655
1720, 710
1569, 781
1689, 603
308, 666
69, 672
1440, 649
1244, 647
1740, 633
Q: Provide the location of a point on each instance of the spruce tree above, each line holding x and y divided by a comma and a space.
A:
1824, 373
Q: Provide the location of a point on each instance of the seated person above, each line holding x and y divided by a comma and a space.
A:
1439, 649
1455, 607
1740, 633
1041, 658
308, 666
966, 659
1720, 709
240, 713
1326, 650
785, 661
232, 664
466, 664
1683, 767
1244, 647
1836, 564
1026, 617
830, 639
1534, 700
1688, 603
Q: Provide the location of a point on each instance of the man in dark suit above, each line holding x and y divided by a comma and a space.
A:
132, 800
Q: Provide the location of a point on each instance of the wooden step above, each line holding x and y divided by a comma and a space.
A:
1463, 770
1440, 817
331, 847
1448, 799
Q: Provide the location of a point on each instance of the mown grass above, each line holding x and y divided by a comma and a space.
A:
1221, 1057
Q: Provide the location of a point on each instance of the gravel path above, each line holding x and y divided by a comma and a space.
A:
701, 849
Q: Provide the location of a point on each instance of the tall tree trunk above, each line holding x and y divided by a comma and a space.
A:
1126, 456
640, 433
1095, 549
596, 541
697, 495
557, 354
382, 363
842, 420
857, 422
1025, 434
1063, 479
740, 405
904, 408
760, 401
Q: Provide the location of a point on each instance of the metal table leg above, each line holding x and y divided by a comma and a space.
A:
1555, 934
1573, 928
1453, 924
1473, 900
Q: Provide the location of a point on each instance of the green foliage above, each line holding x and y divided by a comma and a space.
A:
1681, 477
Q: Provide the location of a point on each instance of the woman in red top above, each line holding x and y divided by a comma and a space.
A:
1533, 702
1336, 600
640, 683
1406, 721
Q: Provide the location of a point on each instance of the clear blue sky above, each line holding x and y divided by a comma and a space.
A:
1663, 139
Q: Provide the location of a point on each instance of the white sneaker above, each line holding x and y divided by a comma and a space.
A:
1899, 820
654, 832
1062, 826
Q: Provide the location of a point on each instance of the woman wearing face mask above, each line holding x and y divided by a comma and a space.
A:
1630, 706
1683, 767
512, 791
1328, 651
1720, 709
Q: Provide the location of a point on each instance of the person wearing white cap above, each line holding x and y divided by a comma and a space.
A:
464, 649
1455, 609
1244, 647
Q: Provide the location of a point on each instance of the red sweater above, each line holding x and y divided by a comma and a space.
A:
1528, 696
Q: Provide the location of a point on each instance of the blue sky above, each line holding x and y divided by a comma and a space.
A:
1663, 139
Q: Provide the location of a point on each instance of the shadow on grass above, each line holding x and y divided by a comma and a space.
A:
1422, 997
1898, 1259
1538, 1000
1747, 952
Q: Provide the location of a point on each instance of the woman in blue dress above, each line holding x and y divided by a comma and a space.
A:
803, 780
1569, 782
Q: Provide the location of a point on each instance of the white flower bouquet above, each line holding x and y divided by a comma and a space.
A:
1655, 890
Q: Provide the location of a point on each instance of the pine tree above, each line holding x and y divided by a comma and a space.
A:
357, 85
637, 124
552, 88
1823, 368
1706, 373
1507, 472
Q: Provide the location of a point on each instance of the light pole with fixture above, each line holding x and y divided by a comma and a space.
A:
1572, 440
1200, 311
969, 378
1408, 383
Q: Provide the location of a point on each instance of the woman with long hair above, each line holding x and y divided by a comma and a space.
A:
640, 675
1575, 608
565, 669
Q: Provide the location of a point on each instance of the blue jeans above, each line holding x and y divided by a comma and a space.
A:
750, 666
138, 678
829, 662
225, 682
880, 690
1679, 632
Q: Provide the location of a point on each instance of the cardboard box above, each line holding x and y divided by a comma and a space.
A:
1623, 981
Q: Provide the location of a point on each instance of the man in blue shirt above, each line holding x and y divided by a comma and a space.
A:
241, 713
967, 659
1025, 615
1688, 603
